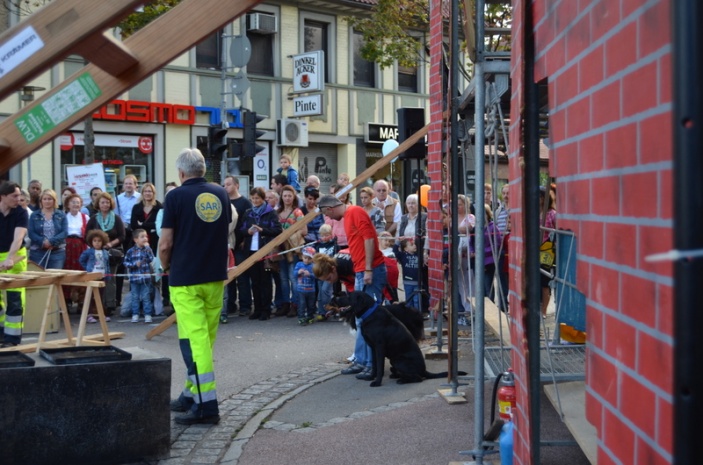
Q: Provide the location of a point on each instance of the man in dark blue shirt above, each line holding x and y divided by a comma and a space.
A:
13, 260
193, 246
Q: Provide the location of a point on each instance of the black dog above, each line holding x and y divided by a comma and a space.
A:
387, 337
409, 316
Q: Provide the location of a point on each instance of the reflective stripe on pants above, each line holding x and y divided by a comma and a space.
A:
12, 311
198, 310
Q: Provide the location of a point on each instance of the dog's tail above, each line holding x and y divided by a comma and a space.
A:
443, 374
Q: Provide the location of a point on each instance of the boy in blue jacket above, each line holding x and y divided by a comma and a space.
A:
289, 172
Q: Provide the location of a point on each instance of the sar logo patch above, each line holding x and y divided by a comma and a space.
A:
208, 207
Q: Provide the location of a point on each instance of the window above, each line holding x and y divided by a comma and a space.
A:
208, 53
315, 37
262, 52
407, 79
364, 70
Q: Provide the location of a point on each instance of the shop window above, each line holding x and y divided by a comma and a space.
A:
364, 70
208, 53
120, 155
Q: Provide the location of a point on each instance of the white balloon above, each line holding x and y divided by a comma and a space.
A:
389, 146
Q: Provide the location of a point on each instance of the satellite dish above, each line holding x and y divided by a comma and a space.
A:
240, 51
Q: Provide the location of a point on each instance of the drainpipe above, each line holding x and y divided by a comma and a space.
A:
687, 16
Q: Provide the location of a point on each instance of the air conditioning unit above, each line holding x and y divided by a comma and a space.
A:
291, 133
262, 23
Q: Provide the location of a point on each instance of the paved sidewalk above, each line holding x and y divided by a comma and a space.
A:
316, 416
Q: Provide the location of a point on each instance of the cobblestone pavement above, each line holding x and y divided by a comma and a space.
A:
246, 412
241, 415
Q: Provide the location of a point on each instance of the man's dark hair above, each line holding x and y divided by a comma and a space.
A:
280, 179
312, 192
8, 187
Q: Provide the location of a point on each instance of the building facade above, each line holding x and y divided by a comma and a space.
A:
143, 131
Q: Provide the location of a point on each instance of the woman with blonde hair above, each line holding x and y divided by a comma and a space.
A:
47, 230
366, 195
144, 214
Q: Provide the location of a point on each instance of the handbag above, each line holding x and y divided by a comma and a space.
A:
294, 242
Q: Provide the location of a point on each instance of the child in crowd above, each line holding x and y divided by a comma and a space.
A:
343, 179
96, 260
385, 243
406, 254
289, 172
305, 285
138, 260
327, 244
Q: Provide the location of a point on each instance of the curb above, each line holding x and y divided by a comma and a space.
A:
252, 425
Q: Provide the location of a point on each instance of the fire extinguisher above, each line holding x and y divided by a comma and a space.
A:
506, 395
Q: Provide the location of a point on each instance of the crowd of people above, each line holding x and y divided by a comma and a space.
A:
119, 236
369, 247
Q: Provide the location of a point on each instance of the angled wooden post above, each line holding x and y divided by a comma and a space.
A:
52, 32
90, 88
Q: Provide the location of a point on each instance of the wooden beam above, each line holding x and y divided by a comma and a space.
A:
108, 53
276, 241
48, 35
470, 28
92, 339
91, 87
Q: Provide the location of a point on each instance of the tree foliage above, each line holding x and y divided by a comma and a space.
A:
144, 16
386, 32
128, 26
500, 16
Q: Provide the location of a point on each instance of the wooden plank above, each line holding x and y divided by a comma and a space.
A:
497, 320
154, 46
59, 26
45, 278
107, 52
88, 340
268, 248
573, 404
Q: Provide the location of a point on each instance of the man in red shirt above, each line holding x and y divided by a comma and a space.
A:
369, 267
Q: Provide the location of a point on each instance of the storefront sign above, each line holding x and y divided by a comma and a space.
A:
307, 106
115, 140
379, 133
261, 168
84, 177
66, 141
145, 144
309, 72
146, 112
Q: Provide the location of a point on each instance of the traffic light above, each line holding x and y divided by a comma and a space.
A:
216, 141
251, 148
235, 148
411, 120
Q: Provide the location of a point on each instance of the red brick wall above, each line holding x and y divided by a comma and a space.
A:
608, 66
434, 153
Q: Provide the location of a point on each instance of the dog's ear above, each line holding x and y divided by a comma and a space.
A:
355, 299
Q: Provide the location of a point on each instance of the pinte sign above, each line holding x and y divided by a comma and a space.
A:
309, 72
